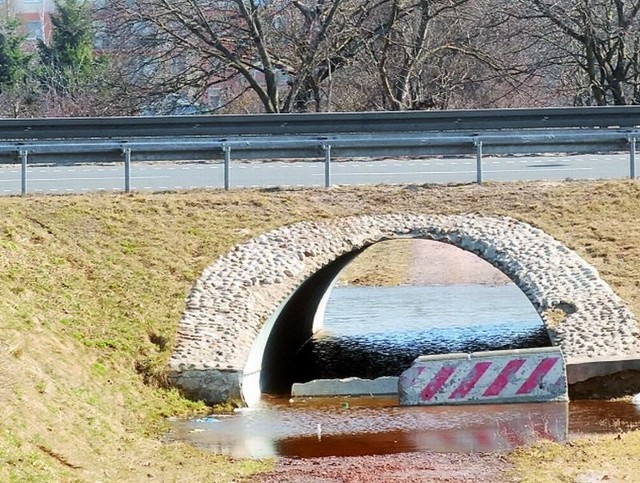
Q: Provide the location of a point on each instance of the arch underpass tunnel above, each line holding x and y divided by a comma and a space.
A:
443, 300
280, 278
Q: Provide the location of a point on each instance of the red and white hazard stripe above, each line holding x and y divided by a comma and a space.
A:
498, 376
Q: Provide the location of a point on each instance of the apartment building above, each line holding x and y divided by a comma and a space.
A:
34, 16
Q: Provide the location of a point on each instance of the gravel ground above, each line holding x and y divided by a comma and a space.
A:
395, 468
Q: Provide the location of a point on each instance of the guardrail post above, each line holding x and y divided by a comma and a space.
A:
227, 166
327, 165
632, 158
24, 156
478, 145
127, 169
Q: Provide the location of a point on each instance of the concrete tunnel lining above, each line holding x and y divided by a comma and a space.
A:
233, 308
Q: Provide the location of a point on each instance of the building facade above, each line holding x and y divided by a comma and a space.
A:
34, 16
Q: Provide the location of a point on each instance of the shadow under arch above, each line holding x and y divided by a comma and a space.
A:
233, 309
296, 323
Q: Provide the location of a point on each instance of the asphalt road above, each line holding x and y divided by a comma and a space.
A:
170, 176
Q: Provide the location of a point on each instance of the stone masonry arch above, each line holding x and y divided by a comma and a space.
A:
235, 306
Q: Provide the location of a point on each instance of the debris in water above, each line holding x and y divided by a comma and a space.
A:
319, 431
208, 419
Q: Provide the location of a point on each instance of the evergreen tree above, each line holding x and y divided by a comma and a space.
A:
68, 61
13, 60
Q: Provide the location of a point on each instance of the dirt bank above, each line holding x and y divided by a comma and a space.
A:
435, 263
419, 262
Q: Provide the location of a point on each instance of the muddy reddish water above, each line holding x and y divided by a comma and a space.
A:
366, 426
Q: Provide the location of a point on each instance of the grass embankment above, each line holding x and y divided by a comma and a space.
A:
92, 289
382, 264
594, 459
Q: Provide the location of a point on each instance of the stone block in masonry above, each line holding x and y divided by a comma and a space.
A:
495, 377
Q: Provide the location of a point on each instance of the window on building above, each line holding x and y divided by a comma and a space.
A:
34, 30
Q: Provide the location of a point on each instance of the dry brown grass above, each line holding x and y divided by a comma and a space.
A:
599, 458
386, 263
92, 289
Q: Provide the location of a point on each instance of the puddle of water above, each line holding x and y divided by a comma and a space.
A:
596, 417
326, 427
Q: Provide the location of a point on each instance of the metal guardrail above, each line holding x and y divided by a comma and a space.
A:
323, 136
319, 123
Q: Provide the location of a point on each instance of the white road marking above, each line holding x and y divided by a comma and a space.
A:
103, 178
404, 173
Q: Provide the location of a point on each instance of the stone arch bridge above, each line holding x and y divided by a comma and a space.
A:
251, 309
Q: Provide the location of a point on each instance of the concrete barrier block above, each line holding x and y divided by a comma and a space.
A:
521, 375
352, 386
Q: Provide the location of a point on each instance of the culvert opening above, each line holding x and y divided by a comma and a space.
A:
401, 299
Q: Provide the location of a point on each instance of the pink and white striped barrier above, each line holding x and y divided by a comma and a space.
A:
520, 375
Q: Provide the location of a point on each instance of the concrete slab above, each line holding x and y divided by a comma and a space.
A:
582, 369
352, 386
495, 377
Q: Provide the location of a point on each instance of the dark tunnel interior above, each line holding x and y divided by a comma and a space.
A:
293, 327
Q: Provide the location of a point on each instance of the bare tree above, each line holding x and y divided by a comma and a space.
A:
300, 55
591, 47
410, 55
281, 51
440, 54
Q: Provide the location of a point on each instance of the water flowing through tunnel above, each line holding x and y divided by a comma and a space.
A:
435, 299
266, 296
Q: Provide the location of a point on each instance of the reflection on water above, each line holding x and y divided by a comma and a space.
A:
364, 426
378, 331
